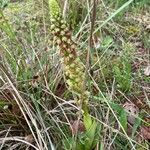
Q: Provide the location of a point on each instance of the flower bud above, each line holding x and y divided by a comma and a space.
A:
64, 39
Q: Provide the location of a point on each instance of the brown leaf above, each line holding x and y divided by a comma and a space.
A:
35, 81
147, 70
145, 132
29, 138
60, 89
133, 111
77, 126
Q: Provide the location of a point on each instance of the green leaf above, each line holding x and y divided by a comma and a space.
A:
101, 146
3, 103
4, 3
72, 143
135, 126
123, 119
90, 136
121, 113
107, 41
116, 107
87, 121
122, 72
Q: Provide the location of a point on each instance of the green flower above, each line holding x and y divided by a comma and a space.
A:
54, 9
73, 67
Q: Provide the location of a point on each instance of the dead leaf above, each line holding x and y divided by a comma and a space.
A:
145, 132
60, 89
148, 27
77, 126
29, 138
147, 70
35, 81
133, 111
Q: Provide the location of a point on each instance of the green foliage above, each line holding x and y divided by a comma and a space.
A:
137, 3
121, 113
122, 68
76, 13
106, 42
84, 141
5, 26
141, 2
87, 121
123, 75
4, 3
146, 39
91, 128
3, 104
136, 126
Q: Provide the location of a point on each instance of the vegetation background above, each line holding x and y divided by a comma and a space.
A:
37, 110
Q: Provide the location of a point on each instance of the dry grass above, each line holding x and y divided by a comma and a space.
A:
37, 109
